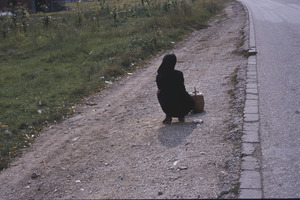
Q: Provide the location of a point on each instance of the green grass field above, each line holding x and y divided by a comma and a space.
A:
48, 62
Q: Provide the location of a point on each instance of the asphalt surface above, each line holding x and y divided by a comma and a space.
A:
277, 35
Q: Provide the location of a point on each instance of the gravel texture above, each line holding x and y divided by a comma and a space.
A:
116, 146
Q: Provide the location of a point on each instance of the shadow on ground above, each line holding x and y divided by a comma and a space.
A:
173, 135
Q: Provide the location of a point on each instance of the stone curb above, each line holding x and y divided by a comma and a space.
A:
250, 178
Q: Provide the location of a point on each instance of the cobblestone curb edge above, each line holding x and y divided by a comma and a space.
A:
250, 177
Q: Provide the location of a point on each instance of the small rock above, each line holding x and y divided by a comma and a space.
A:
34, 176
136, 146
77, 181
175, 163
222, 194
160, 193
183, 168
121, 177
91, 103
198, 121
8, 132
74, 139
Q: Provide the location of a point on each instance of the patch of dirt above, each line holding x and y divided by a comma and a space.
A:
117, 147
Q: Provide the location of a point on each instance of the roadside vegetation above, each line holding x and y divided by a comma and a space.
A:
50, 61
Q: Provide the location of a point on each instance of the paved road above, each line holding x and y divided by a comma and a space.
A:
277, 34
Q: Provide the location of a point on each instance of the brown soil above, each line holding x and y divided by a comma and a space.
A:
116, 146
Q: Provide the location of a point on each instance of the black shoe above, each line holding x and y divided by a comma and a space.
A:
167, 120
181, 119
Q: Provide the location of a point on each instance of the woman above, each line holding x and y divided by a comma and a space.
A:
175, 101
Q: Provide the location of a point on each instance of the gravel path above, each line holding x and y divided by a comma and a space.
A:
115, 146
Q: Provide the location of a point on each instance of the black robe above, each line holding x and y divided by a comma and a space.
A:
175, 101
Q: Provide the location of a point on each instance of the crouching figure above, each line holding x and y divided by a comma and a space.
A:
175, 101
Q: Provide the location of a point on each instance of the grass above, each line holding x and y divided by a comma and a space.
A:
235, 189
49, 62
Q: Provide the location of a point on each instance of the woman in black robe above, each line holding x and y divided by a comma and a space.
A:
175, 101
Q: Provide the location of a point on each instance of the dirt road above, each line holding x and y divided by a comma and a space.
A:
116, 146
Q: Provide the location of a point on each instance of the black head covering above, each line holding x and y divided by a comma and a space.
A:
172, 96
168, 63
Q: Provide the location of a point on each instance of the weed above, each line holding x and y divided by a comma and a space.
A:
239, 48
234, 76
235, 189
